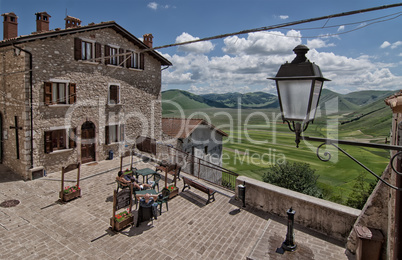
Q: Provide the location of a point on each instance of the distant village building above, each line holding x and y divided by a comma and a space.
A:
197, 138
75, 94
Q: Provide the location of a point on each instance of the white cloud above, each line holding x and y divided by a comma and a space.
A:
153, 5
396, 44
318, 43
284, 17
199, 47
251, 59
262, 43
341, 28
385, 45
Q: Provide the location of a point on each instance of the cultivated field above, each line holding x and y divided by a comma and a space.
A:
258, 138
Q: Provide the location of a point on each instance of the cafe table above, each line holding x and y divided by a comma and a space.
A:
145, 173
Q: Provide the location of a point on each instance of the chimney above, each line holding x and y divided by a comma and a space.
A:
148, 39
42, 22
72, 22
10, 26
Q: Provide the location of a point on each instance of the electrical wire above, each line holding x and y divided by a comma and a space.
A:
283, 25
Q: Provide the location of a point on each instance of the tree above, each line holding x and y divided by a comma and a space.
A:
360, 192
294, 176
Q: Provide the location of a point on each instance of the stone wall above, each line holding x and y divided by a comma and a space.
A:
333, 220
374, 214
53, 60
14, 88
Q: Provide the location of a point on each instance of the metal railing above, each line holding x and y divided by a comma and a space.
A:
198, 167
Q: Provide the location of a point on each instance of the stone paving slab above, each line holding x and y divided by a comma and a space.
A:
42, 228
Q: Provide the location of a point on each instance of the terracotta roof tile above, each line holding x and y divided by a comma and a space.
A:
183, 127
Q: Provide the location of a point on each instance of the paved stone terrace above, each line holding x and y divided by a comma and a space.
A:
41, 228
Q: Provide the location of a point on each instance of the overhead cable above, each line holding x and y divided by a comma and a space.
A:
267, 28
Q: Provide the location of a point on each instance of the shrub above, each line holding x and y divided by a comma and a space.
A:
360, 192
294, 176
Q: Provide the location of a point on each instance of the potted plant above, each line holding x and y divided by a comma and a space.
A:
70, 193
174, 191
127, 171
122, 220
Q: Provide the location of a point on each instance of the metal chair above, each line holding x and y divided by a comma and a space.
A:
163, 198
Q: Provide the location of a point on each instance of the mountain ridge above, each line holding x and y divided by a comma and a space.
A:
259, 100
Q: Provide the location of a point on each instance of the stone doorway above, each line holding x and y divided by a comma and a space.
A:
87, 142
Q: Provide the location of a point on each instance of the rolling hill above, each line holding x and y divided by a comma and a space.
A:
363, 111
247, 100
258, 100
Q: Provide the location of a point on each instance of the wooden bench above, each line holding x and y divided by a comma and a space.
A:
188, 183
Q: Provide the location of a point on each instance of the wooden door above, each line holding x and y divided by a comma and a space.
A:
87, 142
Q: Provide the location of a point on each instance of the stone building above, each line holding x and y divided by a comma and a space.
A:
200, 139
75, 94
382, 210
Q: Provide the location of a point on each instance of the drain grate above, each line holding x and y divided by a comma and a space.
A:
9, 203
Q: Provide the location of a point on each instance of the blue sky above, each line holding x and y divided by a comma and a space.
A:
368, 57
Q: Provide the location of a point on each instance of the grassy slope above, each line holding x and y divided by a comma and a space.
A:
178, 97
246, 156
252, 148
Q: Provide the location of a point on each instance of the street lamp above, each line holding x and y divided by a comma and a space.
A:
299, 85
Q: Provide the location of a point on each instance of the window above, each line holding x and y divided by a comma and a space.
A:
60, 93
114, 94
87, 50
60, 139
135, 60
111, 55
114, 134
132, 60
206, 149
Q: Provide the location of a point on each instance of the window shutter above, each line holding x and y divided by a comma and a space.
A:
72, 93
121, 133
107, 140
139, 141
98, 52
117, 95
72, 137
142, 61
48, 142
128, 59
121, 57
114, 94
77, 49
153, 146
48, 93
107, 54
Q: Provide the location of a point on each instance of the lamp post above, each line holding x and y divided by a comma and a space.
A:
299, 85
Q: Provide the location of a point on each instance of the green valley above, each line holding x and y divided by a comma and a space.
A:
258, 138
